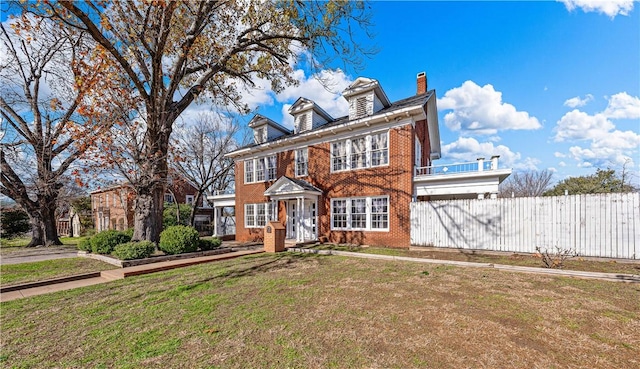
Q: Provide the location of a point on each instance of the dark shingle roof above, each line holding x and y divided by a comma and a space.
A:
400, 104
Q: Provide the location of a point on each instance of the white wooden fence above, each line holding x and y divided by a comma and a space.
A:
603, 225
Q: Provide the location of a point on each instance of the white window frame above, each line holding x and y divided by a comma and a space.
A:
350, 152
369, 223
257, 215
259, 170
302, 166
271, 170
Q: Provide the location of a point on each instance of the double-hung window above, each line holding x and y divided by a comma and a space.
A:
379, 149
248, 171
302, 162
339, 213
360, 152
250, 215
380, 213
255, 215
260, 169
339, 156
272, 166
360, 213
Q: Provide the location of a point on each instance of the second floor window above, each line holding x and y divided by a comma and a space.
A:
361, 152
339, 155
168, 198
302, 160
260, 169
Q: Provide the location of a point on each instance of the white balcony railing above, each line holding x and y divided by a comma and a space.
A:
479, 165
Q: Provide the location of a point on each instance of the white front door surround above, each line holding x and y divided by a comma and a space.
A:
302, 219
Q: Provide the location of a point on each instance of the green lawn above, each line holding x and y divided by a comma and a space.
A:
41, 270
310, 311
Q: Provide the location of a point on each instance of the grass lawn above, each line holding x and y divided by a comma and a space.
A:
41, 270
18, 244
577, 263
312, 311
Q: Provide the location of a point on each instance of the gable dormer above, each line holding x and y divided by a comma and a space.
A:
264, 129
307, 115
365, 97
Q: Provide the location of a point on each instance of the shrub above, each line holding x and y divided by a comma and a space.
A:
13, 223
178, 239
205, 244
105, 241
85, 244
134, 250
555, 259
128, 232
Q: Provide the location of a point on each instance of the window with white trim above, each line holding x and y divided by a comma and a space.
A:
248, 171
169, 198
189, 199
272, 167
260, 169
257, 215
360, 152
302, 162
339, 156
338, 214
379, 149
380, 213
360, 213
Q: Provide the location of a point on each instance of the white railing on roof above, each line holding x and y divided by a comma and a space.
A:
475, 166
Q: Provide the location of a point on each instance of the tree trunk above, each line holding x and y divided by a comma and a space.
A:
147, 219
50, 228
37, 233
194, 208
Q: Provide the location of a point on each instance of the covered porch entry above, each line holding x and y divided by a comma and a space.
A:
300, 199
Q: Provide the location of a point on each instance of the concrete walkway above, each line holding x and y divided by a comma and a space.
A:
109, 275
33, 254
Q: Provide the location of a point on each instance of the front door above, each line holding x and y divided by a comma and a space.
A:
301, 224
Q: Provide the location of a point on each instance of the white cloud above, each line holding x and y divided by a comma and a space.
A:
607, 145
480, 110
468, 149
623, 106
562, 164
578, 125
576, 102
609, 7
324, 89
559, 155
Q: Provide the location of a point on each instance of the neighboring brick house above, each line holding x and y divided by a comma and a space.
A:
113, 206
343, 180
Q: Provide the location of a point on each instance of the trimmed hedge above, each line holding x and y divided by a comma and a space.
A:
178, 239
106, 241
206, 244
134, 250
85, 244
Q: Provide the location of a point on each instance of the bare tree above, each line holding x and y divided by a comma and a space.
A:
49, 113
526, 184
176, 52
198, 155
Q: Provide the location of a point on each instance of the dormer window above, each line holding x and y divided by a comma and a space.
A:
361, 107
260, 135
303, 123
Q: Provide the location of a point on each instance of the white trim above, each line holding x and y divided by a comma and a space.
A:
306, 172
388, 120
368, 213
254, 206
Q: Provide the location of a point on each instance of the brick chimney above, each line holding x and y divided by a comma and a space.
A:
422, 83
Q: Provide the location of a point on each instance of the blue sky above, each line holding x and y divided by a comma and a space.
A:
545, 85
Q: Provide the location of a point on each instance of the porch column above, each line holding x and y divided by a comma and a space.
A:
302, 220
215, 221
480, 196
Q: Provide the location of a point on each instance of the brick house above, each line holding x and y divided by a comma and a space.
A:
344, 180
112, 207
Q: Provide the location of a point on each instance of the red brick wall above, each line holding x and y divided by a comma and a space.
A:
394, 180
120, 208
